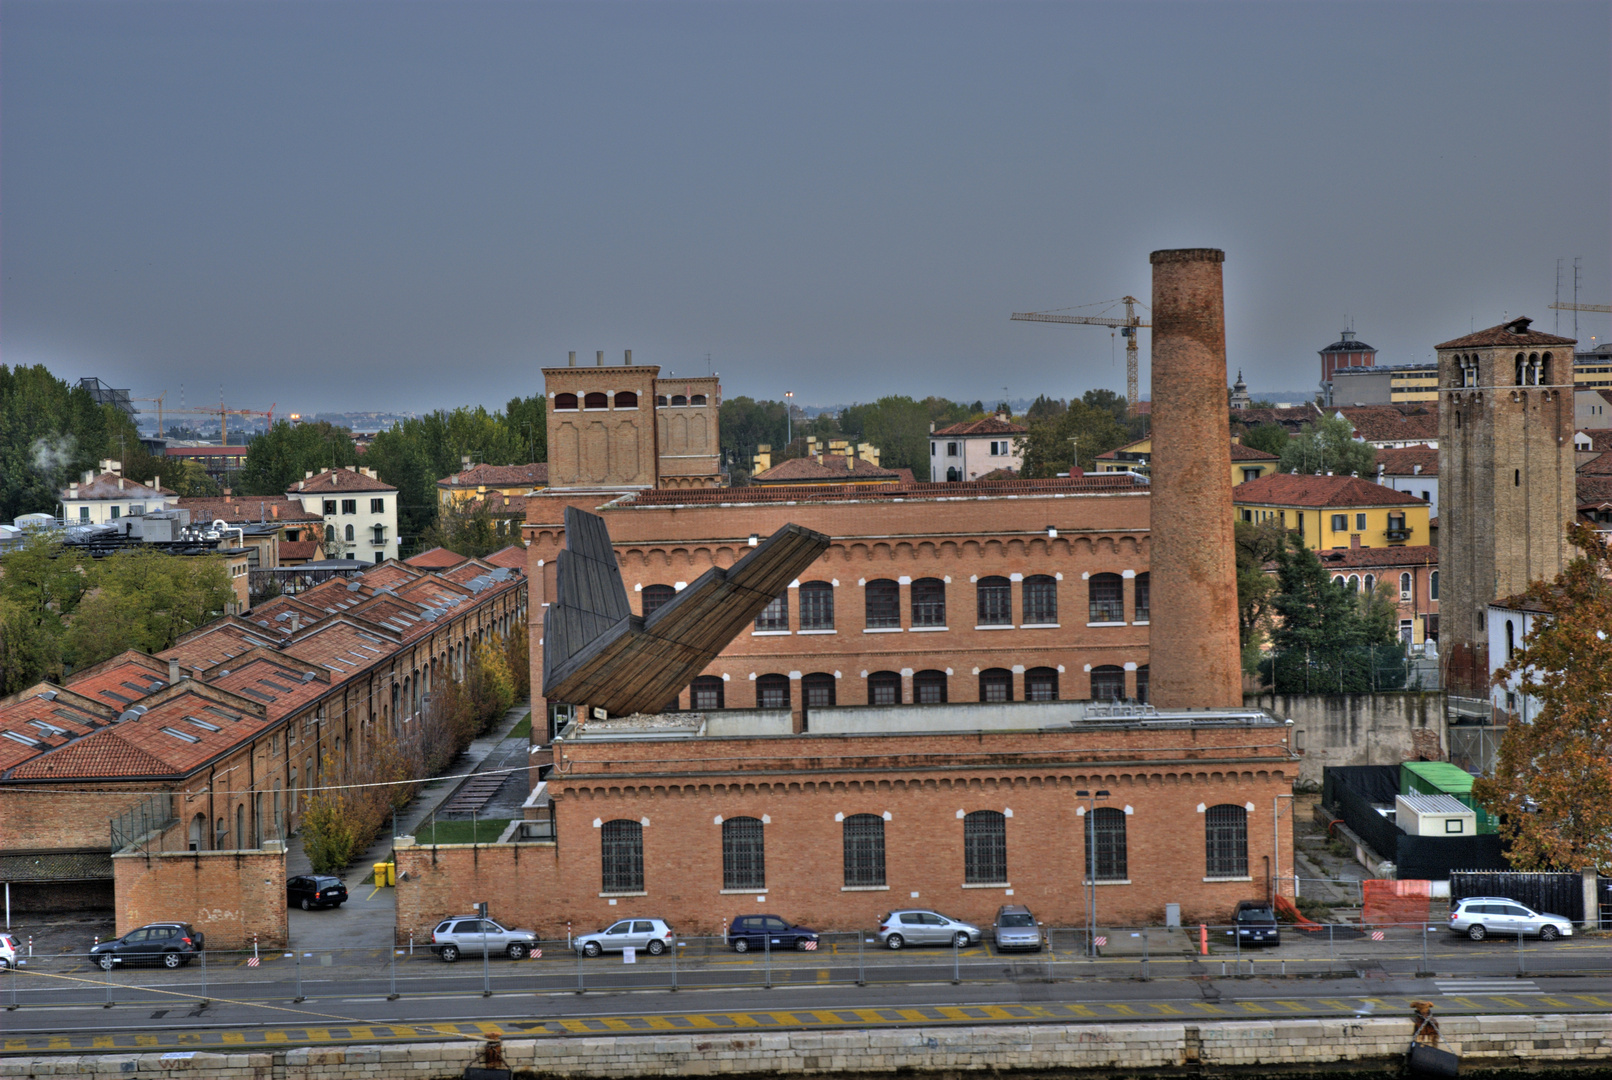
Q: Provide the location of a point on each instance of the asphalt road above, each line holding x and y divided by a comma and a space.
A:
299, 1000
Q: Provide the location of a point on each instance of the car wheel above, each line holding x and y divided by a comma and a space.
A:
172, 959
591, 949
4, 963
1476, 932
106, 962
894, 941
741, 945
1548, 933
800, 944
517, 951
656, 947
307, 905
449, 953
960, 939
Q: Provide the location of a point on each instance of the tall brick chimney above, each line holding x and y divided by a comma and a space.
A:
1194, 661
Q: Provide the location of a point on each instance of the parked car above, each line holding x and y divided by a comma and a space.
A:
8, 951
1016, 928
651, 935
472, 934
169, 944
310, 891
1256, 923
1479, 916
924, 927
768, 931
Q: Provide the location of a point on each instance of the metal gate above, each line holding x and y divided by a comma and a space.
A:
1553, 894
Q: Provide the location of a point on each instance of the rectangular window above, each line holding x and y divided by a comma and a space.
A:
883, 599
330, 507
1107, 598
817, 606
83, 513
864, 851
377, 506
1226, 841
1040, 599
1105, 844
349, 506
1340, 522
929, 602
622, 855
1360, 522
744, 864
117, 511
995, 601
775, 616
985, 848
951, 449
1144, 597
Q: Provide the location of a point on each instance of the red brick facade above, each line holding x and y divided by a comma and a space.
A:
232, 897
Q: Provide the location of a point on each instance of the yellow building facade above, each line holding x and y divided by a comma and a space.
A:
1246, 462
1335, 512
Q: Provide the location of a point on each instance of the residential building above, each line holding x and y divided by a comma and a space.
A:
969, 450
1507, 450
359, 511
99, 498
476, 481
277, 529
1247, 463
1590, 409
1332, 512
837, 464
1592, 370
1411, 469
1410, 570
1389, 426
1384, 384
1509, 621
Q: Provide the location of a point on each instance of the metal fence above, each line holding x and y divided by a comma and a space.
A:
151, 814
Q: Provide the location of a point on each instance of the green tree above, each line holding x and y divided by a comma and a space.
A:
284, 454
145, 599
1327, 444
1051, 445
1328, 638
41, 584
1045, 408
1257, 547
405, 463
27, 654
468, 527
1271, 438
747, 424
1552, 782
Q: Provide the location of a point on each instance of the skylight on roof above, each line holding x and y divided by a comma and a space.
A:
182, 736
25, 740
48, 729
203, 724
216, 711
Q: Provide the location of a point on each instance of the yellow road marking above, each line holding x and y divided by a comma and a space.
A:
101, 1041
822, 975
659, 1022
60, 1043
1296, 1006
377, 889
1594, 999
1164, 1008
1251, 1006
952, 1012
996, 1012
574, 1025
1337, 1003
1555, 1003
145, 1040
1122, 1008
234, 1037
702, 1022
869, 1016
616, 1023
1513, 1002
16, 1044
1206, 1006
911, 1014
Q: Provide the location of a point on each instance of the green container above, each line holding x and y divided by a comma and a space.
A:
1442, 778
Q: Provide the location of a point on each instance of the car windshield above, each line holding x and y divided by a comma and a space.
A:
1255, 914
1017, 920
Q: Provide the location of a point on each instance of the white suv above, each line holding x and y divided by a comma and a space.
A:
651, 935
1479, 916
8, 951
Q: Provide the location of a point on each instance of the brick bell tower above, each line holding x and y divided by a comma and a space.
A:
1506, 483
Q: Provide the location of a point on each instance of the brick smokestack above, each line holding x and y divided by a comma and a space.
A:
1194, 657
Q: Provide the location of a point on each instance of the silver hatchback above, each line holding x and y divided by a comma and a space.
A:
1479, 916
651, 935
924, 927
474, 934
1016, 928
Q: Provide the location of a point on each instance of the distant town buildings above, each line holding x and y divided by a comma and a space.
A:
99, 498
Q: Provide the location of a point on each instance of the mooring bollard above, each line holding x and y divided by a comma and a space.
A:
1203, 940
299, 998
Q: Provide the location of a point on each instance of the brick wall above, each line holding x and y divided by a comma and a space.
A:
518, 882
228, 895
607, 447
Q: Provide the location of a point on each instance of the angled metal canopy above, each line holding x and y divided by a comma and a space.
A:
597, 652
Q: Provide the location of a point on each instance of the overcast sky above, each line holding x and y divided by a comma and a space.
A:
411, 205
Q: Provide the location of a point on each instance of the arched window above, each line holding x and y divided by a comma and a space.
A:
1141, 685
953, 474
772, 692
1144, 596
996, 684
1405, 585
706, 692
1105, 845
1107, 598
240, 825
817, 689
1544, 371
775, 616
1511, 639
985, 848
1432, 585
995, 601
1108, 683
349, 534
198, 832
1041, 684
660, 401
1353, 584
596, 400
654, 596
697, 399
1040, 600
679, 400
929, 688
565, 402
1337, 579
626, 399
1371, 583
744, 861
864, 851
929, 602
622, 856
816, 605
1521, 369
884, 688
1226, 841
883, 601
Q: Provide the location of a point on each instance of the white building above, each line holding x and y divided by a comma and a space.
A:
972, 450
359, 510
108, 496
1411, 469
1509, 622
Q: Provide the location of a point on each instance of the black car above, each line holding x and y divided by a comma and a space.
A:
1256, 923
170, 944
769, 932
309, 891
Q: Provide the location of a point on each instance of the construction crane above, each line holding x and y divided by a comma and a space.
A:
1583, 307
1128, 326
222, 412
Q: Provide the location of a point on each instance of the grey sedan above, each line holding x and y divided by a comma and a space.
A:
923, 927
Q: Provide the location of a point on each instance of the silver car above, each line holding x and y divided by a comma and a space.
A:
1479, 916
651, 935
472, 934
1016, 928
923, 927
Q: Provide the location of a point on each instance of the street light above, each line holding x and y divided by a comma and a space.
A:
1091, 868
789, 417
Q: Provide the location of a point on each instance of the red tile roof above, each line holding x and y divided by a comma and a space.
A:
499, 504
1285, 489
147, 745
342, 647
105, 486
1594, 491
533, 475
1402, 460
437, 558
49, 723
830, 470
1382, 423
297, 551
511, 558
121, 682
1408, 555
1600, 438
991, 425
1239, 452
246, 509
1598, 466
1108, 484
389, 575
1000, 474
1506, 335
338, 480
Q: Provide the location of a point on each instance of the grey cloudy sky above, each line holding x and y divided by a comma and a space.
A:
407, 205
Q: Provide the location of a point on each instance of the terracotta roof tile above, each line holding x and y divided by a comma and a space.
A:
1594, 491
298, 551
337, 480
1381, 423
105, 486
437, 558
341, 647
499, 505
389, 575
1598, 466
511, 558
1402, 460
246, 509
1110, 484
1285, 489
148, 745
1239, 452
991, 425
1408, 555
1600, 438
1506, 335
535, 474
829, 471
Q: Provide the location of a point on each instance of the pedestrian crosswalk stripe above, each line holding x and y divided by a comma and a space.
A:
1486, 986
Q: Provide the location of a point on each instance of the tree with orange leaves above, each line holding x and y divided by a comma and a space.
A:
1552, 784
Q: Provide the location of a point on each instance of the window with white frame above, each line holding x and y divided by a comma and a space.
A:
985, 848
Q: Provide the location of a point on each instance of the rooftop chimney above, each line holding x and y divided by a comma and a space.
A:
598, 358
1194, 661
296, 621
173, 672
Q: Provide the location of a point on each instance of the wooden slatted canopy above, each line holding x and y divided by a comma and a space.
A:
598, 653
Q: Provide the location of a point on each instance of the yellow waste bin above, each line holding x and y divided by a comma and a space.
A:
385, 873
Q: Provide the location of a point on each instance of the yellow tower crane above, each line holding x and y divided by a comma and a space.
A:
1128, 326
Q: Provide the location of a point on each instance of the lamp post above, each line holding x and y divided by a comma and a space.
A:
789, 417
1091, 868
